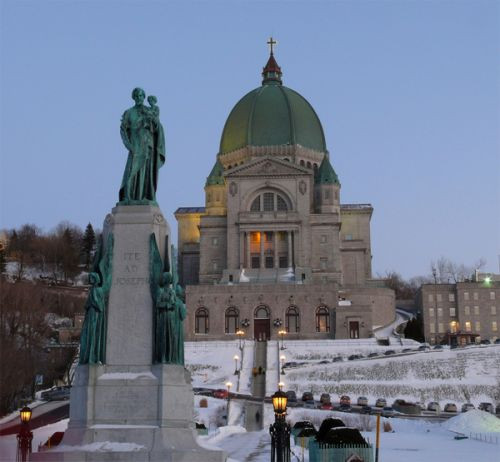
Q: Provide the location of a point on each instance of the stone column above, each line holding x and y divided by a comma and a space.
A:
275, 243
262, 249
290, 257
248, 263
242, 249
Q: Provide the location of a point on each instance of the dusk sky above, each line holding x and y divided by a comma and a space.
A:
407, 92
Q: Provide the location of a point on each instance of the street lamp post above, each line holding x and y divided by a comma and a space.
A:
236, 370
282, 332
25, 435
240, 335
282, 359
280, 430
228, 385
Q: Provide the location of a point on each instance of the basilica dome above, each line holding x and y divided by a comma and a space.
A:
272, 115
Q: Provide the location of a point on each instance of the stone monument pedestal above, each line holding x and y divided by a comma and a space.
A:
130, 409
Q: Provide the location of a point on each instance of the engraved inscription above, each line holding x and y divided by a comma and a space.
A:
133, 265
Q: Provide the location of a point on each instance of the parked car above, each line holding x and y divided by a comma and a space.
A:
438, 347
324, 361
468, 407
307, 396
420, 405
381, 402
337, 359
326, 407
325, 398
488, 407
372, 355
422, 348
345, 408
56, 393
387, 411
433, 406
407, 350
497, 409
221, 393
291, 396
362, 401
344, 399
454, 346
485, 342
365, 410
354, 357
497, 341
406, 407
389, 352
450, 407
310, 404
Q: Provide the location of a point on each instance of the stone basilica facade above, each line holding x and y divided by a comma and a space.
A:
274, 248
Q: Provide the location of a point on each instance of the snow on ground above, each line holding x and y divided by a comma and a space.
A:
473, 421
461, 375
411, 441
211, 364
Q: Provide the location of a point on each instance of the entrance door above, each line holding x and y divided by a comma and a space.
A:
353, 329
262, 329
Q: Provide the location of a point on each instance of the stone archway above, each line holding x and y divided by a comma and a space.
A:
262, 323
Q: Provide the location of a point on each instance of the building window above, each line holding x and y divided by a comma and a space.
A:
232, 320
431, 312
453, 327
262, 312
324, 239
281, 204
493, 310
215, 241
466, 295
451, 297
283, 261
439, 297
326, 194
477, 326
440, 312
440, 328
292, 319
432, 328
348, 237
269, 202
269, 261
269, 236
492, 295
255, 262
453, 312
322, 319
323, 262
201, 321
467, 310
255, 207
476, 296
215, 265
494, 326
430, 298
476, 310
468, 327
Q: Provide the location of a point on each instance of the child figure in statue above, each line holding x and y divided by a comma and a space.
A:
152, 100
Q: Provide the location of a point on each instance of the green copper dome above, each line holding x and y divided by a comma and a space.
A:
272, 115
326, 174
216, 176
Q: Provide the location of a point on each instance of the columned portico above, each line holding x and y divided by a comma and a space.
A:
264, 249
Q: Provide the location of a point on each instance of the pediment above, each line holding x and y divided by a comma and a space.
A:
267, 167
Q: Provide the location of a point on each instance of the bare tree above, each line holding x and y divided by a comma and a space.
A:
445, 270
22, 247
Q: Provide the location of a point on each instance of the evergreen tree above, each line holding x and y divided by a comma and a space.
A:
3, 261
88, 245
415, 328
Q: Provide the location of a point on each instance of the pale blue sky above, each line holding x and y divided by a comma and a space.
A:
407, 92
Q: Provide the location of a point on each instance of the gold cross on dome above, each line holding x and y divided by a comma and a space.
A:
271, 42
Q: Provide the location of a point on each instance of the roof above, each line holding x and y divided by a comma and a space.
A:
182, 210
216, 176
272, 115
325, 173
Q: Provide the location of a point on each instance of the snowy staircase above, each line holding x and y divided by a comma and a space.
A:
273, 367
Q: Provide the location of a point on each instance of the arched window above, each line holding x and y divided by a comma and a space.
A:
262, 312
302, 163
232, 320
269, 202
292, 319
201, 321
322, 319
309, 165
